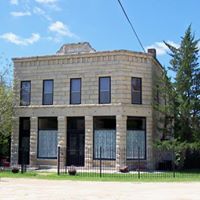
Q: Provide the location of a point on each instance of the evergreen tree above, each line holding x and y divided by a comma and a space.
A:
184, 64
165, 105
180, 109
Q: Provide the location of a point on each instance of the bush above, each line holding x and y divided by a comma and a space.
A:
72, 171
15, 170
124, 169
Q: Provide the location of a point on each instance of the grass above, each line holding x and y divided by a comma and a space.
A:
184, 176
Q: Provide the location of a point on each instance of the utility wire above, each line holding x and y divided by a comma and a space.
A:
134, 31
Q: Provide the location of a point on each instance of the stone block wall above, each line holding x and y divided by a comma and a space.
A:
33, 141
15, 142
121, 66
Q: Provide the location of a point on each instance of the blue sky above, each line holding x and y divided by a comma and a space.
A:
40, 27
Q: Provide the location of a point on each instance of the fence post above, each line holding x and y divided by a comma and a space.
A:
58, 161
100, 163
138, 162
173, 162
22, 161
125, 158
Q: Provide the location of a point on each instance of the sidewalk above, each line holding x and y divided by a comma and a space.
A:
32, 189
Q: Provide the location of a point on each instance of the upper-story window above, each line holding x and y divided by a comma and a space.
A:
136, 90
104, 90
25, 94
47, 92
75, 91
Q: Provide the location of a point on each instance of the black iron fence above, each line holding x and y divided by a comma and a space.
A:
114, 163
120, 163
21, 165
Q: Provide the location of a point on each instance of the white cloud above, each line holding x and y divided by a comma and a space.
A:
41, 12
34, 38
15, 39
20, 14
161, 48
46, 1
51, 4
61, 29
14, 2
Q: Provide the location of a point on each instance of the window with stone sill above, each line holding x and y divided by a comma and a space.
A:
47, 137
25, 93
136, 138
48, 92
75, 91
105, 138
136, 90
104, 90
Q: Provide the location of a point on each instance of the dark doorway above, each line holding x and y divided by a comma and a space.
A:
75, 141
24, 140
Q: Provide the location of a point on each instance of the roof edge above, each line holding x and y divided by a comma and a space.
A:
82, 54
99, 53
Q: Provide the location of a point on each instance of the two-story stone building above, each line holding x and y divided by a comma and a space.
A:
84, 100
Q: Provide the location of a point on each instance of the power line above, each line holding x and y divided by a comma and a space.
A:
134, 31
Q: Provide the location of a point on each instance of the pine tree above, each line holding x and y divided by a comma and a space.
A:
165, 106
181, 108
184, 64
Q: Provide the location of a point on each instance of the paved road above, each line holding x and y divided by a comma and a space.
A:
33, 189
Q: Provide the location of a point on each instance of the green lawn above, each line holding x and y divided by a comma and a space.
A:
144, 177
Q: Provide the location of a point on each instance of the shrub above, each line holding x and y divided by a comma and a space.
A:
72, 171
124, 169
15, 170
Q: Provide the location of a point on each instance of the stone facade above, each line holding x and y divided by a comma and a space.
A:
120, 65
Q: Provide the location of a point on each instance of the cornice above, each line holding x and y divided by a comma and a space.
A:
118, 55
85, 58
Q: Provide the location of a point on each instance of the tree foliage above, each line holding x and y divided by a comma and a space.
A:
181, 107
6, 108
166, 105
184, 64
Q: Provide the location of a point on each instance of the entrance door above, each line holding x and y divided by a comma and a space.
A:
75, 141
24, 140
